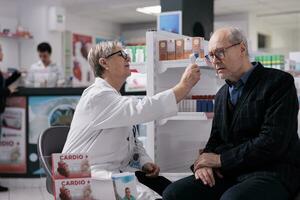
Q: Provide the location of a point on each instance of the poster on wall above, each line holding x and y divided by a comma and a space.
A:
81, 70
13, 137
43, 112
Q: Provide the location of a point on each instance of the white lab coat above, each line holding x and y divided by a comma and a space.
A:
102, 125
40, 76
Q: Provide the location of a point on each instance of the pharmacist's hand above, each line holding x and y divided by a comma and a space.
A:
151, 169
13, 87
191, 76
206, 175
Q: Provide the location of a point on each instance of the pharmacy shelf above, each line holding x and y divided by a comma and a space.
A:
188, 116
16, 37
169, 64
139, 67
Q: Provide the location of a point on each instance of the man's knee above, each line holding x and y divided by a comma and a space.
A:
170, 192
232, 195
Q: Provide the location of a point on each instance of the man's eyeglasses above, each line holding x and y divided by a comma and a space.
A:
219, 53
120, 53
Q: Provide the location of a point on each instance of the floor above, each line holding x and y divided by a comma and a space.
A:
25, 189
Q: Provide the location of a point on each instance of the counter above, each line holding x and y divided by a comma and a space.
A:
28, 112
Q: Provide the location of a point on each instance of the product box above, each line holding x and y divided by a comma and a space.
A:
130, 50
73, 189
163, 54
140, 54
124, 186
188, 50
179, 49
171, 49
12, 150
198, 46
70, 166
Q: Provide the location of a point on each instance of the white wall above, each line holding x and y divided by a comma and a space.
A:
282, 40
246, 22
239, 20
93, 27
33, 15
136, 33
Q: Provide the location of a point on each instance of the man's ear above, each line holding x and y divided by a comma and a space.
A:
243, 48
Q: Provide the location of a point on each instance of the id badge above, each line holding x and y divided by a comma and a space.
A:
135, 159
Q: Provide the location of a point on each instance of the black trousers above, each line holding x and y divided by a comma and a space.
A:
253, 188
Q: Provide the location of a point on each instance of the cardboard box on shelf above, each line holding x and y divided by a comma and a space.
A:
188, 49
171, 49
198, 46
179, 49
163, 53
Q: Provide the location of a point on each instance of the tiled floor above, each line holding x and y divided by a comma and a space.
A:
25, 189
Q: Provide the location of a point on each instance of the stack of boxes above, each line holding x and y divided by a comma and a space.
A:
271, 61
197, 103
71, 176
137, 53
181, 48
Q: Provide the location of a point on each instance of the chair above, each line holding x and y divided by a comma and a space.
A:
52, 140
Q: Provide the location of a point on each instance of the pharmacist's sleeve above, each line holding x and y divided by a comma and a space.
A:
111, 110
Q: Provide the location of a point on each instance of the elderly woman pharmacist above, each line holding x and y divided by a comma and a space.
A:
103, 122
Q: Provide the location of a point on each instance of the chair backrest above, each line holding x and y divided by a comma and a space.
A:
52, 140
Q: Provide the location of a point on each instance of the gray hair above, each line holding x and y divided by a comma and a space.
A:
236, 35
101, 50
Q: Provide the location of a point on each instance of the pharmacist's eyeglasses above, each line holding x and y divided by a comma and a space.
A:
121, 53
219, 53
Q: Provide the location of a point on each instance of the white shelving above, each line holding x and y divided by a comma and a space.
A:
173, 143
182, 116
169, 64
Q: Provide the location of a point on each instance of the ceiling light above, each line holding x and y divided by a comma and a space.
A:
150, 10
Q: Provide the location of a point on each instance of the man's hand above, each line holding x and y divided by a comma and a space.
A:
207, 160
206, 175
151, 169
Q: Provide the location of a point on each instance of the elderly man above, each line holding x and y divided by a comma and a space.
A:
251, 153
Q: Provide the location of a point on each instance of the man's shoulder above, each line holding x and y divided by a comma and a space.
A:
275, 75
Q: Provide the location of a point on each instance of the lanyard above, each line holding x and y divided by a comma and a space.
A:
135, 131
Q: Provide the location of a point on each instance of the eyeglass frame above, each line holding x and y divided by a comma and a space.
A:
213, 56
123, 54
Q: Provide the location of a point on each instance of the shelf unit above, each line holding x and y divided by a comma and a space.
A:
189, 116
139, 67
19, 40
174, 142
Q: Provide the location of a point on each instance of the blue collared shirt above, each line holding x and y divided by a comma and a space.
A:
236, 89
